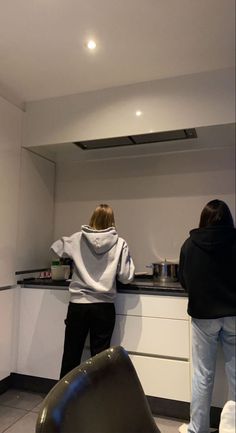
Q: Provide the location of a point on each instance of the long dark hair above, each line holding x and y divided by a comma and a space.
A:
216, 213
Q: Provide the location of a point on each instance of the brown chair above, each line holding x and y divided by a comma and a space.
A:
101, 395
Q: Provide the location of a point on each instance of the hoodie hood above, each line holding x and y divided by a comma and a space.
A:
213, 237
100, 241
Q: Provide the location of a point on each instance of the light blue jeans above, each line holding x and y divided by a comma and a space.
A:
206, 333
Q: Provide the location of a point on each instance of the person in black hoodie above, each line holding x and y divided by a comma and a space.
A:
207, 272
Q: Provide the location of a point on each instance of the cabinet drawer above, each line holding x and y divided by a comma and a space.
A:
164, 378
148, 335
152, 306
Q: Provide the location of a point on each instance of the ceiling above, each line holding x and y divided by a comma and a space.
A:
42, 51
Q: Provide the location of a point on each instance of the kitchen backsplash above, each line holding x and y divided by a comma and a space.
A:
156, 199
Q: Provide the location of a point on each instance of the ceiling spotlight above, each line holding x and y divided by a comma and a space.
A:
138, 113
91, 45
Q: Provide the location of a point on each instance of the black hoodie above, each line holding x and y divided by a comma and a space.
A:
207, 271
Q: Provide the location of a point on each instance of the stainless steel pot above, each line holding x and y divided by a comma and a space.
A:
165, 271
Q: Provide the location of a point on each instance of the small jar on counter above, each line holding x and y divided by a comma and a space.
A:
59, 271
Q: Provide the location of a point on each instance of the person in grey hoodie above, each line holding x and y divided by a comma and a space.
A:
99, 256
207, 272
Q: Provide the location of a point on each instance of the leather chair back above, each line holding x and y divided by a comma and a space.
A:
101, 395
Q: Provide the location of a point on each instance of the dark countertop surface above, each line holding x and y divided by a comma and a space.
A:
140, 285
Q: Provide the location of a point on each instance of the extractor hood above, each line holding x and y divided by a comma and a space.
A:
130, 140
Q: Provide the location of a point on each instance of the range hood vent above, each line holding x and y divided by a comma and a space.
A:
154, 137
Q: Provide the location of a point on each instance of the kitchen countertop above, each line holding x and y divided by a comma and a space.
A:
140, 285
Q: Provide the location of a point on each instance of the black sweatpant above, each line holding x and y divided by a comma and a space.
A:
96, 318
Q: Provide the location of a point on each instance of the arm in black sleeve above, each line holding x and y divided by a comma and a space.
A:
181, 269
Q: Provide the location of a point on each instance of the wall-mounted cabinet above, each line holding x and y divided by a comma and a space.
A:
195, 100
207, 137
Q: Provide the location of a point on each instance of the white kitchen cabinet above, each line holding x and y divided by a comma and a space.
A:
6, 332
10, 141
155, 331
41, 332
159, 347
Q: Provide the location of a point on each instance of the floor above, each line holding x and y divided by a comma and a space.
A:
19, 411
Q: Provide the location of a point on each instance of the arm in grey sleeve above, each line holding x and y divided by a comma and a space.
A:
125, 271
62, 247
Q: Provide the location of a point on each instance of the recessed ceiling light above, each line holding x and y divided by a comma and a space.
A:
91, 45
138, 113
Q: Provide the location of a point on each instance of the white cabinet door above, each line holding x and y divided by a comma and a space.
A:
41, 332
6, 332
10, 141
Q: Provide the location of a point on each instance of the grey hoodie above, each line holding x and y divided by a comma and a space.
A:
99, 257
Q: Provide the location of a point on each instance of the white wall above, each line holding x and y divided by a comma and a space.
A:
36, 211
189, 101
11, 119
10, 142
157, 199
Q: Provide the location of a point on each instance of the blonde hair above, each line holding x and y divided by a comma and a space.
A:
102, 217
